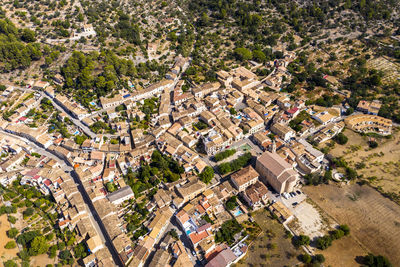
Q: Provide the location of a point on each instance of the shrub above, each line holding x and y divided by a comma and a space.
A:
345, 228
337, 234
341, 139
12, 233
301, 240
12, 219
10, 263
374, 261
305, 258
373, 144
319, 258
324, 242
10, 245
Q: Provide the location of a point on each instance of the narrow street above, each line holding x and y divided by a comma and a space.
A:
93, 216
75, 121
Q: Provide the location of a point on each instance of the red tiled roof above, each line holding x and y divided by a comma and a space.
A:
197, 237
292, 110
47, 182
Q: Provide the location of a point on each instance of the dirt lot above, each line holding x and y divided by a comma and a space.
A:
374, 220
5, 254
42, 260
343, 252
271, 248
382, 164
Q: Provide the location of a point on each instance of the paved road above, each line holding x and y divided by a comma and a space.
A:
93, 216
40, 150
75, 121
185, 240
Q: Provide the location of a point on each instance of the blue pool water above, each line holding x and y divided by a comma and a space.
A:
237, 212
92, 103
188, 232
239, 117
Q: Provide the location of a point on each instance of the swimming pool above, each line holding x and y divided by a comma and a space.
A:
188, 232
237, 212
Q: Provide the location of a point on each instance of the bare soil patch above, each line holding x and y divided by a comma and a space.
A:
382, 164
271, 248
343, 252
374, 220
5, 254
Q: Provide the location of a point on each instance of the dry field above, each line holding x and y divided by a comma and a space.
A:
382, 164
5, 254
374, 220
343, 252
271, 248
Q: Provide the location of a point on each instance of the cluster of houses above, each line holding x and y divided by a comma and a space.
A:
48, 176
190, 120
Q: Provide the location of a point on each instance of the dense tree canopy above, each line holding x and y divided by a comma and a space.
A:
17, 49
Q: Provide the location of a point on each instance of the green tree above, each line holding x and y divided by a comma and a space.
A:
80, 251
259, 56
373, 144
174, 234
10, 263
319, 258
28, 36
207, 175
301, 240
306, 258
337, 234
345, 228
66, 257
12, 219
224, 168
79, 139
324, 242
231, 204
38, 246
10, 245
12, 233
243, 54
341, 139
349, 111
53, 251
376, 261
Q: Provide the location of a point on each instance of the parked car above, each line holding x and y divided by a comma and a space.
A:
294, 204
298, 192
